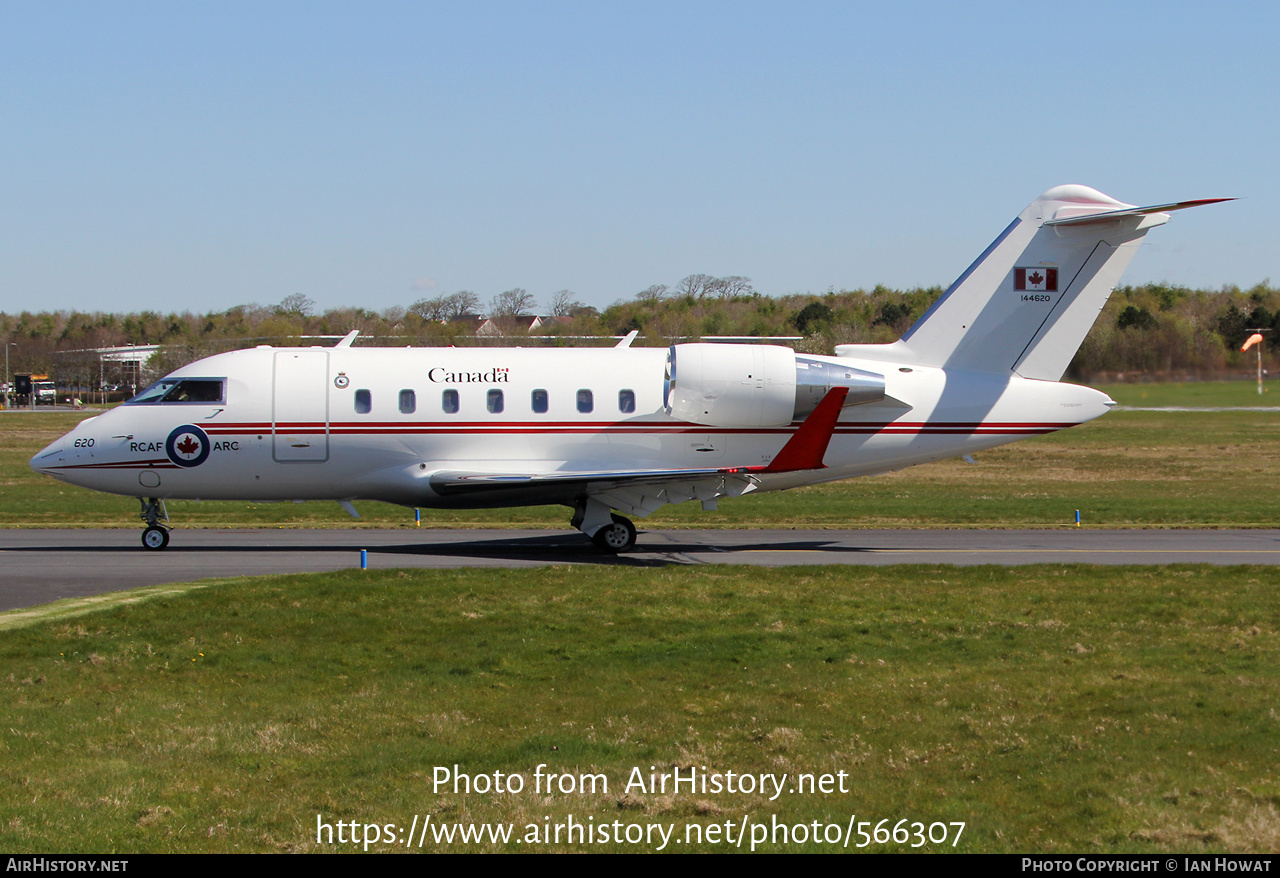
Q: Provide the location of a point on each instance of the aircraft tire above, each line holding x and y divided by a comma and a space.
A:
615, 538
155, 538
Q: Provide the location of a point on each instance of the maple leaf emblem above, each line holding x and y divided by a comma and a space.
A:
188, 445
1035, 279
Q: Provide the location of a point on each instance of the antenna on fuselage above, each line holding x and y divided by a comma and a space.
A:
348, 339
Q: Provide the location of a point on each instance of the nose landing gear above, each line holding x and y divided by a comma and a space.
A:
156, 535
155, 538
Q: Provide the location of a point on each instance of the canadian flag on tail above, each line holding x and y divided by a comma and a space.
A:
1039, 279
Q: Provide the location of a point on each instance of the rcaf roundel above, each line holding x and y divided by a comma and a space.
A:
188, 445
1038, 279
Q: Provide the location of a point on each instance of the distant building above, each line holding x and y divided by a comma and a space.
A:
133, 357
550, 323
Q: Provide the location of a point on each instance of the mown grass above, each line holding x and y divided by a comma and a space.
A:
1126, 469
1194, 394
1052, 709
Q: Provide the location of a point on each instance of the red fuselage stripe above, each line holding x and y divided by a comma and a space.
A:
554, 428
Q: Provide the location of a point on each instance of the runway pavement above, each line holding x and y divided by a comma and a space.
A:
39, 566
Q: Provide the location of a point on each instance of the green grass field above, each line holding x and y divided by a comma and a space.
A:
1193, 394
1049, 709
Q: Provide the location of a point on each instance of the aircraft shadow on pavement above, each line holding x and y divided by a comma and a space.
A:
566, 548
570, 548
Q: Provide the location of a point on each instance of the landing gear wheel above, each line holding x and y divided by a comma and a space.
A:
620, 536
155, 537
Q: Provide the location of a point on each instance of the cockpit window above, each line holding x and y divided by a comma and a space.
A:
168, 390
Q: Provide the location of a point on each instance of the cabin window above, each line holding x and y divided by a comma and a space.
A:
364, 402
585, 403
449, 402
495, 401
627, 401
408, 402
540, 402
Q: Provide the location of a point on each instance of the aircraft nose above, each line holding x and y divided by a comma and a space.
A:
54, 454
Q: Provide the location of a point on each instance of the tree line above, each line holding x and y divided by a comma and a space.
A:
1149, 330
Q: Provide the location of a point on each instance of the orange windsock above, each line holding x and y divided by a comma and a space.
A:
1251, 341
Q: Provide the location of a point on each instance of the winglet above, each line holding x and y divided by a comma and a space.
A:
808, 446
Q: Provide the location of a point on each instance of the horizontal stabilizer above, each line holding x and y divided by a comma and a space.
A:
1110, 215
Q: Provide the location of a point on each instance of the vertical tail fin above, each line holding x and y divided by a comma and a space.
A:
1026, 304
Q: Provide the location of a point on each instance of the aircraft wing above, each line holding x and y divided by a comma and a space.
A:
638, 492
452, 484
642, 491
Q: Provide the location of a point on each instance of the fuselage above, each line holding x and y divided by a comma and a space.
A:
353, 423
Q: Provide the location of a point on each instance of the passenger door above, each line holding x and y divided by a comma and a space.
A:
300, 407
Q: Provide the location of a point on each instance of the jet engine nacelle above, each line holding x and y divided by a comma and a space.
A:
727, 385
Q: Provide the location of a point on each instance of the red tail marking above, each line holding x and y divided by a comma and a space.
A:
808, 446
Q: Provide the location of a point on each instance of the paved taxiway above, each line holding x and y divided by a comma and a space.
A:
38, 566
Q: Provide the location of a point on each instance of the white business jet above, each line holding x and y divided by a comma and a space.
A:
628, 429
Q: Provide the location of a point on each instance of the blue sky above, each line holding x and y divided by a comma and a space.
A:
195, 156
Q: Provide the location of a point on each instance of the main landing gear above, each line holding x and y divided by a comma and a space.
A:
156, 535
618, 535
610, 532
